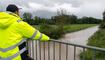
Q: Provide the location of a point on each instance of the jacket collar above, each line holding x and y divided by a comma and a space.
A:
11, 13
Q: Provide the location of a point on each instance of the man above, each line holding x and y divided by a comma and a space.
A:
13, 33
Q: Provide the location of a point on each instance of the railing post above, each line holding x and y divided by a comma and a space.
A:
48, 50
40, 50
30, 48
93, 54
66, 51
74, 52
53, 50
36, 49
44, 50
59, 51
83, 54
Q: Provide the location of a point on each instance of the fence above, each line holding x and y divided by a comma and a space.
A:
61, 50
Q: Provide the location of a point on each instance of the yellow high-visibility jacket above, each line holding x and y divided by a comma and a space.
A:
12, 33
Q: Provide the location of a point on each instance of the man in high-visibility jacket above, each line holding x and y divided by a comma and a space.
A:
13, 32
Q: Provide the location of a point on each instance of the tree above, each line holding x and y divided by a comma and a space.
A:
89, 20
27, 17
103, 22
73, 19
61, 18
104, 16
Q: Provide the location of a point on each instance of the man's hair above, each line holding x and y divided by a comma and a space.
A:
12, 8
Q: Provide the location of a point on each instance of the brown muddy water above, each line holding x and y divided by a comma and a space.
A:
79, 37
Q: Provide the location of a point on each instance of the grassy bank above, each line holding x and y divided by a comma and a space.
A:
97, 40
56, 32
74, 28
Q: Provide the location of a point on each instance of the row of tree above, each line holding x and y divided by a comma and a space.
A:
61, 18
103, 21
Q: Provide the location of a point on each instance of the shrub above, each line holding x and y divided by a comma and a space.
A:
51, 31
102, 25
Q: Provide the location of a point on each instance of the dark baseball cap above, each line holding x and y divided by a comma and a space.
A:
12, 8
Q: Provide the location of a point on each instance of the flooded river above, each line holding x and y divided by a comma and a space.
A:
79, 37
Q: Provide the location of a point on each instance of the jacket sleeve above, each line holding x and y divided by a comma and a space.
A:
29, 32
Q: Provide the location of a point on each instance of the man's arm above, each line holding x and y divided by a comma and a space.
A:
29, 32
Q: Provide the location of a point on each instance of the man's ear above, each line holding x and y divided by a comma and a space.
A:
16, 12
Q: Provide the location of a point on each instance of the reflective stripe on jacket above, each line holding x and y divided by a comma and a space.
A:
12, 33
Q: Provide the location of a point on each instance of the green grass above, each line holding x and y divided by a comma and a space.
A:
82, 26
73, 28
56, 32
97, 40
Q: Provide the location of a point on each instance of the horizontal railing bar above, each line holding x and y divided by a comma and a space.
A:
77, 45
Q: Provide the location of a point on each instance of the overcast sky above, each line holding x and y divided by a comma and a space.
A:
48, 8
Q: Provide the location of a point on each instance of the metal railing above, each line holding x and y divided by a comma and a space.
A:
61, 50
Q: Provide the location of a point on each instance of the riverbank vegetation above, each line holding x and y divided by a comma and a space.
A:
97, 40
55, 31
62, 23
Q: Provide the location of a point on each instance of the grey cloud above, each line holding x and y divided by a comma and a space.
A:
79, 7
44, 13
